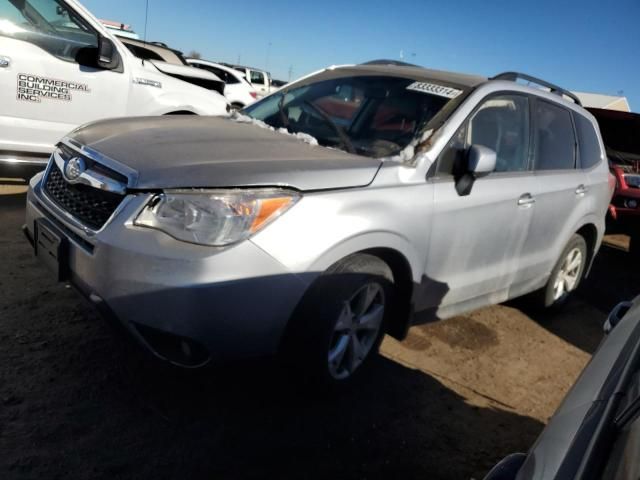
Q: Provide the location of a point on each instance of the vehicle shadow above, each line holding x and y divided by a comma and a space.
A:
614, 278
250, 421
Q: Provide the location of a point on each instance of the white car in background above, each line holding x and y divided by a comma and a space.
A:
238, 91
259, 79
60, 68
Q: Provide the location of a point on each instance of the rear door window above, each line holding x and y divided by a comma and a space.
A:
555, 141
588, 144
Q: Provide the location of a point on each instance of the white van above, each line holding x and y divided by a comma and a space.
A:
60, 68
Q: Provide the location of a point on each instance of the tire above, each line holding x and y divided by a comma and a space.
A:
327, 341
236, 107
555, 294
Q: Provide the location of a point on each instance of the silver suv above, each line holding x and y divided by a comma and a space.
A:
351, 203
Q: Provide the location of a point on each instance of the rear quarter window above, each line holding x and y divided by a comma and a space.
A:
588, 144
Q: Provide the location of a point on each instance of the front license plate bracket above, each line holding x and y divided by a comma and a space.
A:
52, 248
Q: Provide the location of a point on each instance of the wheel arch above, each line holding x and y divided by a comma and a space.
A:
589, 232
403, 281
401, 257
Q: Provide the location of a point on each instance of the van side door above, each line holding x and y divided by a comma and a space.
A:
50, 81
477, 239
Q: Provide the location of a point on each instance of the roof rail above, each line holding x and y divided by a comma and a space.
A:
515, 76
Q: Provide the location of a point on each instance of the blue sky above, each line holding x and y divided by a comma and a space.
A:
584, 45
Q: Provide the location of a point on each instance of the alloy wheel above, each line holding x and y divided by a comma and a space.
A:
569, 274
356, 330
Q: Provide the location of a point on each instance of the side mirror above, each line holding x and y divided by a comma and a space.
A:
108, 57
481, 160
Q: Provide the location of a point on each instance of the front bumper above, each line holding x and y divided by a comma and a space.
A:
620, 208
229, 303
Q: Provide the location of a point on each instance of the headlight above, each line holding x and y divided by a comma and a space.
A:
214, 217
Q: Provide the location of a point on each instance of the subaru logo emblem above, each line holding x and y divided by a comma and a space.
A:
74, 168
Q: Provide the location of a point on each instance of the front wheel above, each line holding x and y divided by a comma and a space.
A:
339, 324
567, 274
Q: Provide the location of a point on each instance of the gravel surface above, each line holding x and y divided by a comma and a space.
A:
449, 402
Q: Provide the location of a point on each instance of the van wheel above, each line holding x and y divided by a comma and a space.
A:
236, 106
339, 324
567, 274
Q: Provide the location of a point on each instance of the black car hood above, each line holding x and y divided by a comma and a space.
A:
191, 151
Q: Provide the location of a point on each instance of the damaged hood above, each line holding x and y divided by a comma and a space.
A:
208, 152
184, 70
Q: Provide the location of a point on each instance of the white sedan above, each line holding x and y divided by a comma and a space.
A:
238, 91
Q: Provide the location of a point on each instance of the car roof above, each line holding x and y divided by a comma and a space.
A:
397, 69
466, 82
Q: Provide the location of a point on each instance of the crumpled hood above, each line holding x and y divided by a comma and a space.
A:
192, 151
184, 70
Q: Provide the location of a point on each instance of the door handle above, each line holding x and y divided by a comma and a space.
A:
4, 62
526, 200
581, 190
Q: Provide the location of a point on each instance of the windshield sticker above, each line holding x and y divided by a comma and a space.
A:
33, 88
434, 89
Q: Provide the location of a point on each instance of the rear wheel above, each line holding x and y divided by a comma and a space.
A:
236, 106
339, 324
567, 274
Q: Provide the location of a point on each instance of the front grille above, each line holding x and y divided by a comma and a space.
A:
89, 205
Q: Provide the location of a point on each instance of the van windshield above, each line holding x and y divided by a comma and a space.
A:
375, 116
49, 24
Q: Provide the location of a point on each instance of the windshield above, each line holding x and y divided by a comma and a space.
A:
49, 24
374, 116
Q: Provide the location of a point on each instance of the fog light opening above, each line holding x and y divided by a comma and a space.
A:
178, 350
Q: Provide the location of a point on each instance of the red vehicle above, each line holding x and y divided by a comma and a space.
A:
621, 136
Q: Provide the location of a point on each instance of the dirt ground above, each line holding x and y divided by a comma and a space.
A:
448, 403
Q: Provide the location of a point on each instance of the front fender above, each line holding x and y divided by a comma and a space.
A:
324, 228
368, 241
206, 103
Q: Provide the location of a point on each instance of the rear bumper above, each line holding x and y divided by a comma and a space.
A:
224, 304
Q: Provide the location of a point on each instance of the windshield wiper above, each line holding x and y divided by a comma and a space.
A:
346, 141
